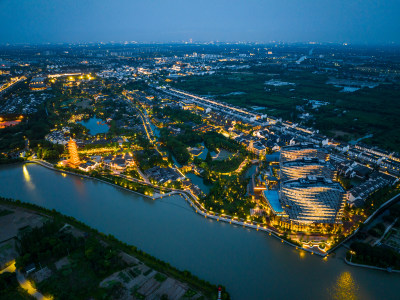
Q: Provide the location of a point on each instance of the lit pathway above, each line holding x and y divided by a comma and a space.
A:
10, 268
24, 283
142, 175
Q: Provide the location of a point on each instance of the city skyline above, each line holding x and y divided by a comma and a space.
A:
208, 150
357, 22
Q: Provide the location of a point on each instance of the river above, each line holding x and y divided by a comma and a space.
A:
251, 264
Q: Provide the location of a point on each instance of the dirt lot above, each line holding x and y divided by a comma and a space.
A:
18, 219
11, 221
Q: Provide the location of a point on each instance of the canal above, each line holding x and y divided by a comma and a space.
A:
251, 264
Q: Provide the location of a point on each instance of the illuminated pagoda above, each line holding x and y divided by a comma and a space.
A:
73, 153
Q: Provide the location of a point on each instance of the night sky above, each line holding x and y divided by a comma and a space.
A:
353, 21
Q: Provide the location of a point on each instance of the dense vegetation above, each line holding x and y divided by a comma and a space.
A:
214, 141
44, 244
178, 144
89, 261
228, 195
348, 115
33, 128
378, 255
149, 158
178, 149
176, 115
375, 256
374, 201
88, 266
10, 289
131, 185
5, 160
249, 86
185, 276
211, 167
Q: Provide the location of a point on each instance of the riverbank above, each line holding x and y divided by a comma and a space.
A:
7, 161
200, 209
370, 267
240, 258
196, 205
376, 213
151, 262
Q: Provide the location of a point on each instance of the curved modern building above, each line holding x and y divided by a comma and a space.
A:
299, 151
312, 200
306, 166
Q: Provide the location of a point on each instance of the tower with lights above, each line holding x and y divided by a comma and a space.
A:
73, 153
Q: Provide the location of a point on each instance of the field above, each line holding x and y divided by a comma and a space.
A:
348, 116
250, 84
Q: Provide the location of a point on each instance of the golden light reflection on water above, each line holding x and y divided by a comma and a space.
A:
302, 254
345, 288
80, 187
27, 178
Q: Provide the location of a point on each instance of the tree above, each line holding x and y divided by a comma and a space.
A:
208, 157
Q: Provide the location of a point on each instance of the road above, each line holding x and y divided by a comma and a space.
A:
27, 285
24, 283
11, 83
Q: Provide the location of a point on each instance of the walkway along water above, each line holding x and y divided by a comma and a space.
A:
194, 203
200, 209
250, 265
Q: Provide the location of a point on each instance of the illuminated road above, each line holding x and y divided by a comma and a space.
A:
27, 285
10, 268
24, 283
146, 124
10, 84
249, 114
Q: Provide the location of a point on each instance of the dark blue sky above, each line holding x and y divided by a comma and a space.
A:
356, 21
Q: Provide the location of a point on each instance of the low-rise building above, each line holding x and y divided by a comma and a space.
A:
357, 195
88, 166
257, 148
163, 175
38, 84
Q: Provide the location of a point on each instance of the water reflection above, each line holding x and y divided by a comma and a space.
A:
26, 174
95, 126
251, 264
345, 288
80, 187
27, 178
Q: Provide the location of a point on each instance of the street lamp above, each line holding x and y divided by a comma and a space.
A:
352, 252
